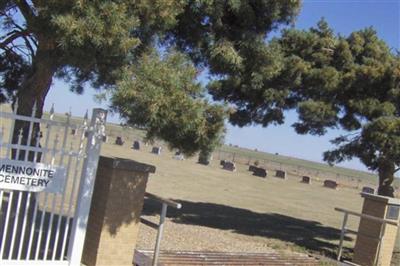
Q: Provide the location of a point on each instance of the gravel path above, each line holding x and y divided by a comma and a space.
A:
196, 238
186, 237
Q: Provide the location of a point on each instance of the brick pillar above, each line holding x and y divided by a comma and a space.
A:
115, 211
366, 248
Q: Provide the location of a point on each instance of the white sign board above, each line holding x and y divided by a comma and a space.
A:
29, 176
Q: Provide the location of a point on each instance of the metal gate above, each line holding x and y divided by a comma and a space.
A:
48, 227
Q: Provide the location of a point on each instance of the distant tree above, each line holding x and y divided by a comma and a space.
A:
93, 41
352, 83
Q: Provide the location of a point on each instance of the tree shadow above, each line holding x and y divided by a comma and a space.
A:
311, 235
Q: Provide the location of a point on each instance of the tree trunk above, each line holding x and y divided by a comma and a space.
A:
34, 89
386, 171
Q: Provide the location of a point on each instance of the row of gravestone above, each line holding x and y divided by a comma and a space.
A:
262, 172
137, 146
155, 150
231, 166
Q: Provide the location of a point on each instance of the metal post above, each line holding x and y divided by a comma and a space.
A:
159, 233
77, 237
342, 236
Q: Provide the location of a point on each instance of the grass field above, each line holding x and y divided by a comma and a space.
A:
282, 214
295, 166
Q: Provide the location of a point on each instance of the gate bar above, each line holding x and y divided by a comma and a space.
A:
73, 189
16, 219
29, 202
77, 237
50, 226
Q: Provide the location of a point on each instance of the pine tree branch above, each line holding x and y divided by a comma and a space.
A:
19, 32
9, 50
10, 19
8, 8
22, 50
13, 35
26, 11
28, 45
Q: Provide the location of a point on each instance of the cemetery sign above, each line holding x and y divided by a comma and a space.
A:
33, 177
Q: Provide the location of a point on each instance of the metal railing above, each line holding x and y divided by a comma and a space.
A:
345, 230
160, 226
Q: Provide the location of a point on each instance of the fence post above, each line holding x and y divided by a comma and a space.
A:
342, 236
89, 169
159, 233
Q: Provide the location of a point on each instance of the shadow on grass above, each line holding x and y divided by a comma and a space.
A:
310, 235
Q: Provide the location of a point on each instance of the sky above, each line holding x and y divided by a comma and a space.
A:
344, 16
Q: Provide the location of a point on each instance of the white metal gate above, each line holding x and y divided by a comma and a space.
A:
46, 228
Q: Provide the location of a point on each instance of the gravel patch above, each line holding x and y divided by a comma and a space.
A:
186, 237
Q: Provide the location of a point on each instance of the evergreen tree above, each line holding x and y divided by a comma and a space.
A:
93, 41
352, 83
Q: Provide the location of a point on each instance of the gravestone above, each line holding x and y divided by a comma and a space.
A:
230, 166
330, 184
252, 168
156, 150
73, 132
222, 162
105, 139
259, 171
119, 141
179, 156
280, 174
136, 145
306, 180
368, 190
204, 159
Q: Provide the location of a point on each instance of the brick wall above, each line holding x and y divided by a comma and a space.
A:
366, 247
115, 212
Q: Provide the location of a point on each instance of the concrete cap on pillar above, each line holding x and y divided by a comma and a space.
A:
126, 164
388, 200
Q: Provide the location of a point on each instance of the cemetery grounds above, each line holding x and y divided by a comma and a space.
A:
239, 212
236, 211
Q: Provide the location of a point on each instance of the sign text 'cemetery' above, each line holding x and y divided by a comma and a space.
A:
34, 177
